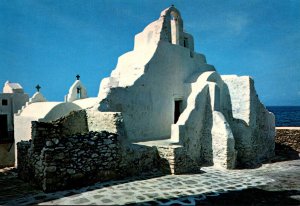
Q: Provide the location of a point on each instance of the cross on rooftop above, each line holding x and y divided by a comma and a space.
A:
77, 76
38, 87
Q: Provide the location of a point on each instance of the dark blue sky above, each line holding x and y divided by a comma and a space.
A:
49, 42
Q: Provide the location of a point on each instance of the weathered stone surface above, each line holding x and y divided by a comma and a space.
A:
106, 121
50, 169
253, 126
224, 153
55, 161
289, 138
49, 143
79, 159
71, 171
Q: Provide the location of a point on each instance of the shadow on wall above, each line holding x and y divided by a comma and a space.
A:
284, 153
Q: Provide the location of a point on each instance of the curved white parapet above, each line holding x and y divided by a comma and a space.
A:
76, 91
10, 87
37, 97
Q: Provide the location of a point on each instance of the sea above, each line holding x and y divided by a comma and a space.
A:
286, 116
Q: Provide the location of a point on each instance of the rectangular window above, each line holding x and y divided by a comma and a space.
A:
185, 42
177, 110
4, 102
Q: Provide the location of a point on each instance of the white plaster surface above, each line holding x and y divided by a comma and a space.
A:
73, 92
16, 98
148, 80
10, 87
37, 97
86, 103
219, 113
292, 128
224, 153
253, 125
46, 112
105, 121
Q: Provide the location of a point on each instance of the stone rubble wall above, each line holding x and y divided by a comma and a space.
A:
106, 121
138, 159
289, 137
64, 154
65, 162
174, 159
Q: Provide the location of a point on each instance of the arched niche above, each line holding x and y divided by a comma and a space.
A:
175, 25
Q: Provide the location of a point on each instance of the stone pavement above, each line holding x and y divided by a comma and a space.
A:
175, 189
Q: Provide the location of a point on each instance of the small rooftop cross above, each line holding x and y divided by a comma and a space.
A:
172, 5
77, 76
38, 87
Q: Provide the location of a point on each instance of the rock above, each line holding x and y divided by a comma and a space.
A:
107, 154
50, 169
55, 140
77, 176
71, 171
112, 145
94, 138
107, 141
49, 143
94, 155
60, 156
80, 153
91, 143
69, 144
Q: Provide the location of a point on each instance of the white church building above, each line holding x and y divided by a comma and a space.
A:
168, 95
166, 91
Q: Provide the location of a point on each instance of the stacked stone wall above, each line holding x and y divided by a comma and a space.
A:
69, 162
289, 138
57, 158
175, 160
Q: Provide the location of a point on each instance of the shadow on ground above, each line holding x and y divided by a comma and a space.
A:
11, 187
251, 196
255, 196
284, 153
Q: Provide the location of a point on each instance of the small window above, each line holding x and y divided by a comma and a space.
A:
4, 102
185, 42
78, 92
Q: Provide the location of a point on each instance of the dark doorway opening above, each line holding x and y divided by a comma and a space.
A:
3, 128
177, 110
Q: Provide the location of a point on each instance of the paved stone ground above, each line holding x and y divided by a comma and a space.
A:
280, 181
